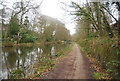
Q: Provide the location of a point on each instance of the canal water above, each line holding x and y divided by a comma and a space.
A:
18, 61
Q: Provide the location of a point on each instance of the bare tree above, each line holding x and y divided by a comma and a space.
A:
23, 7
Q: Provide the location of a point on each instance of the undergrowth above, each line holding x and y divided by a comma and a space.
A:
106, 52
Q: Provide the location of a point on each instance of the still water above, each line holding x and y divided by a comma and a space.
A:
21, 59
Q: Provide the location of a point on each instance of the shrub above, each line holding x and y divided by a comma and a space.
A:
28, 38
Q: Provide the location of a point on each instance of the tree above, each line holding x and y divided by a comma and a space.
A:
13, 26
62, 33
23, 7
51, 29
94, 13
118, 22
26, 22
4, 17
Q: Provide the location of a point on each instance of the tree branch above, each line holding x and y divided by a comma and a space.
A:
110, 13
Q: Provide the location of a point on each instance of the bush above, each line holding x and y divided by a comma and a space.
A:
28, 38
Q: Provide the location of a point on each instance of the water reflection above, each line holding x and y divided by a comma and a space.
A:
20, 59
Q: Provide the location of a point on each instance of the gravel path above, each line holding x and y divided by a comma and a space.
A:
73, 66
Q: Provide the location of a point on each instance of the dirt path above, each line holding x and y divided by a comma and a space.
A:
74, 66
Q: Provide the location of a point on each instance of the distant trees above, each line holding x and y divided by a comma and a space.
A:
62, 33
51, 29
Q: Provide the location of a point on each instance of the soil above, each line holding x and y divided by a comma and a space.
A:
75, 65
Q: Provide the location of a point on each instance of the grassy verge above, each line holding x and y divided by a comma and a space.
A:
103, 54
